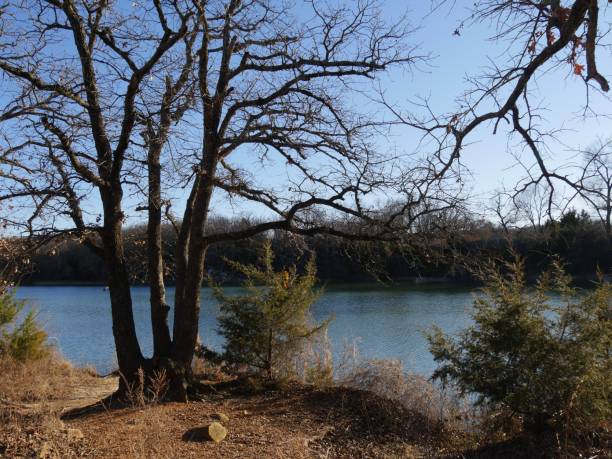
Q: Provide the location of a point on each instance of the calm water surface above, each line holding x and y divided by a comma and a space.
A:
387, 322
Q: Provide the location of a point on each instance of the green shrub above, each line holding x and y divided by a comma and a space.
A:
269, 326
24, 340
542, 353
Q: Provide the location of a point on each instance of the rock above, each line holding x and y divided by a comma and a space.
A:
73, 435
216, 432
221, 417
213, 432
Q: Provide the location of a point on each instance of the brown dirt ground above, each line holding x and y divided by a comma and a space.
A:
297, 422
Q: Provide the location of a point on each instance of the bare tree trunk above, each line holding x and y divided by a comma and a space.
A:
190, 277
187, 307
159, 308
129, 354
608, 226
187, 313
182, 245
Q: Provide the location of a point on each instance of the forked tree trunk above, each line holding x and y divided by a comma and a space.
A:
129, 355
190, 274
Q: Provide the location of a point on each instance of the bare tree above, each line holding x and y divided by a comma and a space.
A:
596, 183
539, 37
532, 206
504, 211
92, 61
210, 98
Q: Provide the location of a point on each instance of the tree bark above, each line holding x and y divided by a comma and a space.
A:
187, 307
608, 226
182, 244
187, 301
129, 354
159, 308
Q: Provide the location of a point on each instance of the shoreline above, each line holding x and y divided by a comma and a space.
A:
579, 280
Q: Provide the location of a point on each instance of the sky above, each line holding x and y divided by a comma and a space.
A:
442, 79
562, 94
490, 159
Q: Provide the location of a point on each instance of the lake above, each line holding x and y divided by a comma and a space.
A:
386, 322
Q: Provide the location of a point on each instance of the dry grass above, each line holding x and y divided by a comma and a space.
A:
32, 395
146, 390
388, 380
375, 410
44, 379
314, 364
442, 421
455, 427
296, 422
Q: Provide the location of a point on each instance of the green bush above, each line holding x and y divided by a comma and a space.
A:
542, 353
268, 327
21, 341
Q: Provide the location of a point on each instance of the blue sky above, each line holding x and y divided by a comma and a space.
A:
442, 80
562, 94
490, 158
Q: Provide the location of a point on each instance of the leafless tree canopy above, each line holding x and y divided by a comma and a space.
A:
153, 107
165, 109
596, 183
551, 36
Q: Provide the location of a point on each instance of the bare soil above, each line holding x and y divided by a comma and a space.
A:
295, 422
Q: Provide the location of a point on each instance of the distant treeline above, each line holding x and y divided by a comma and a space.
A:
580, 242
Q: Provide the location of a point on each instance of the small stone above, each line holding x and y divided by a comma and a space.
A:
213, 432
221, 417
216, 432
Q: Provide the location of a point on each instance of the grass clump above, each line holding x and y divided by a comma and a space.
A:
46, 378
270, 325
541, 354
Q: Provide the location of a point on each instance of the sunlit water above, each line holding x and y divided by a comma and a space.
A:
386, 322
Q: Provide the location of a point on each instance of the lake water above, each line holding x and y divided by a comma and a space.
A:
386, 322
